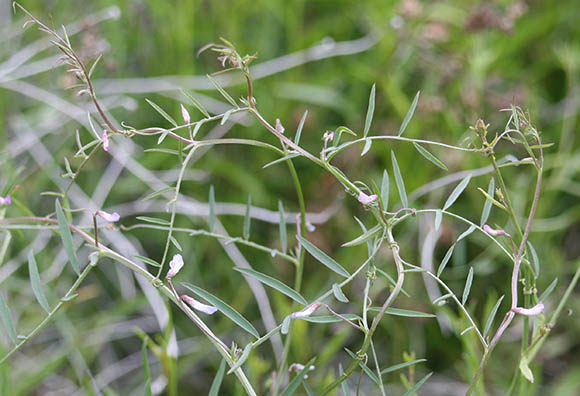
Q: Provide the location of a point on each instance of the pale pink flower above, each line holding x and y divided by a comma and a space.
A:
306, 312
279, 126
185, 114
493, 232
105, 141
297, 368
367, 199
175, 266
208, 309
534, 311
5, 200
110, 217
328, 137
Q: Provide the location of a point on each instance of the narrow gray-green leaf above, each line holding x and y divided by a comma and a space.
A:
196, 103
146, 370
217, 381
69, 298
226, 117
222, 91
535, 260
247, 219
487, 205
273, 283
367, 147
154, 220
467, 330
338, 294
445, 260
365, 368
211, 209
224, 308
423, 151
298, 379
196, 129
385, 190
402, 365
66, 237
162, 150
491, 316
242, 359
7, 320
438, 218
331, 318
403, 312
158, 193
323, 257
36, 283
286, 325
370, 111
344, 385
549, 290
399, 181
175, 243
147, 260
300, 127
281, 159
162, 136
365, 236
162, 112
467, 286
456, 192
419, 384
283, 235
467, 232
409, 114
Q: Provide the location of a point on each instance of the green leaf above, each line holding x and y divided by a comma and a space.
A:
162, 136
365, 236
402, 365
147, 260
161, 150
225, 308
429, 156
242, 359
322, 257
330, 318
157, 193
525, 369
399, 181
146, 371
467, 232
385, 190
535, 260
438, 218
281, 159
549, 290
217, 381
7, 320
175, 243
283, 235
154, 220
491, 316
365, 368
298, 379
36, 283
286, 324
247, 219
66, 237
226, 116
467, 286
409, 114
162, 112
456, 192
273, 283
344, 385
370, 111
487, 205
69, 298
445, 260
492, 199
300, 127
338, 293
367, 147
196, 103
211, 209
419, 384
403, 312
222, 91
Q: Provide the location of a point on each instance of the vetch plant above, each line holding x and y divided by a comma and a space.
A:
372, 303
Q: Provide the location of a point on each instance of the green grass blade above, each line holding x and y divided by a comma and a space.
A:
323, 257
224, 308
402, 365
162, 112
273, 283
66, 237
419, 384
409, 114
217, 381
456, 192
399, 181
423, 151
370, 111
36, 283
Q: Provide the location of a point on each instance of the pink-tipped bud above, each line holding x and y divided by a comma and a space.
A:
279, 126
328, 137
175, 266
306, 312
105, 141
5, 200
493, 232
110, 217
208, 309
534, 311
367, 199
185, 114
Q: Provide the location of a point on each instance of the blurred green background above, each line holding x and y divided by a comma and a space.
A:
469, 59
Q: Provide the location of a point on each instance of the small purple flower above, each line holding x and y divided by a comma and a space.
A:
105, 141
305, 312
185, 115
493, 232
367, 199
5, 200
208, 309
279, 126
110, 217
175, 266
534, 311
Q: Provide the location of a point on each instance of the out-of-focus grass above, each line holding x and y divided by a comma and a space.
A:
467, 61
